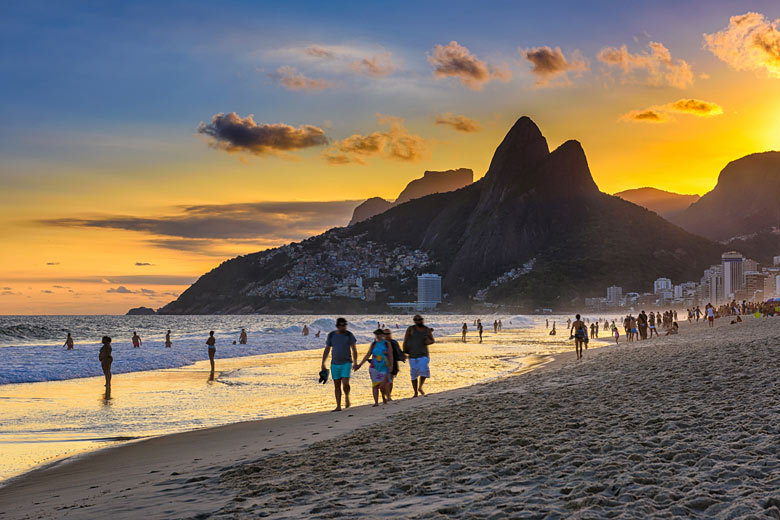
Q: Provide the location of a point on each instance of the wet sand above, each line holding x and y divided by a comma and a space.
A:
681, 426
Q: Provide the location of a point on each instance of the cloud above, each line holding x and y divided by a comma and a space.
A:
660, 113
120, 290
456, 61
148, 291
315, 51
655, 66
550, 65
232, 133
696, 107
289, 78
142, 264
47, 291
396, 143
377, 66
458, 122
750, 42
645, 116
52, 263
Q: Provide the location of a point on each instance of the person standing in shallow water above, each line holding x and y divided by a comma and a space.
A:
68, 342
415, 346
168, 339
343, 360
465, 330
211, 343
137, 340
242, 339
106, 359
479, 329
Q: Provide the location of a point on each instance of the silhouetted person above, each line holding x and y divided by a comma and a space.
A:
168, 339
211, 342
106, 359
68, 342
242, 337
137, 340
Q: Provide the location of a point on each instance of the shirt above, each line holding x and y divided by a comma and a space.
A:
341, 343
415, 345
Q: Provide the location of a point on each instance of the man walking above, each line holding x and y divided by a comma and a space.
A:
342, 362
416, 342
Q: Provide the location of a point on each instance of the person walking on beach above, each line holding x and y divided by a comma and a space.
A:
381, 354
137, 340
211, 343
344, 359
398, 356
415, 346
710, 310
68, 342
579, 331
106, 359
242, 338
495, 326
464, 330
168, 339
479, 329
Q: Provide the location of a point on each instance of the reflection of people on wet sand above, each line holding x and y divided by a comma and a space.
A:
68, 342
305, 330
242, 337
211, 342
168, 339
106, 359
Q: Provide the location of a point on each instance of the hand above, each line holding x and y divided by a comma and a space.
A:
322, 367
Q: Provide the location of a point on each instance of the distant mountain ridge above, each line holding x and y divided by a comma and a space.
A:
536, 222
665, 203
431, 182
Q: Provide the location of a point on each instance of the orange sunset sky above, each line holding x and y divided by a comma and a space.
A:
130, 164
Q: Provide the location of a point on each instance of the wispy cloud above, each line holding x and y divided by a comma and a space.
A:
142, 264
660, 113
551, 67
315, 51
456, 61
458, 122
654, 66
52, 263
750, 42
376, 66
396, 143
232, 133
120, 290
289, 78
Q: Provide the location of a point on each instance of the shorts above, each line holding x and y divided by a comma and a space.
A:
340, 371
633, 330
378, 377
710, 318
418, 367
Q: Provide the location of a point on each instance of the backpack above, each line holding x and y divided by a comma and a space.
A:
398, 354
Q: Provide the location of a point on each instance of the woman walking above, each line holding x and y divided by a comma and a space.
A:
381, 354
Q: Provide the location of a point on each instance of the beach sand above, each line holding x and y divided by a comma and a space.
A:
681, 426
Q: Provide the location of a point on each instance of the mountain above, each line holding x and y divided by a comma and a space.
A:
535, 230
665, 203
431, 182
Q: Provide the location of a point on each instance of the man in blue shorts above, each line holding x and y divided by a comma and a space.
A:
416, 342
343, 360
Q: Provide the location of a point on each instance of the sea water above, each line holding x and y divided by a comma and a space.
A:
54, 404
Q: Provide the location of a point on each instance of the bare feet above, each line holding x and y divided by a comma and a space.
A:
374, 405
347, 404
422, 393
337, 409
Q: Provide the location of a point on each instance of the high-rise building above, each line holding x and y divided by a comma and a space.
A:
614, 295
733, 273
429, 288
712, 285
662, 285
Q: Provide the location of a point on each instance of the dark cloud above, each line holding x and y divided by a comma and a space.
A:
140, 264
289, 78
52, 263
456, 61
232, 133
550, 64
120, 290
458, 122
396, 143
645, 116
47, 291
376, 66
148, 291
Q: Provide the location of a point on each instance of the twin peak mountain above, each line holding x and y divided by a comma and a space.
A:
533, 208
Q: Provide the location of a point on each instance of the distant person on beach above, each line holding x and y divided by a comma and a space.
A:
344, 359
642, 325
552, 332
211, 343
616, 331
464, 330
415, 346
381, 354
479, 330
547, 323
168, 339
305, 330
242, 338
68, 342
674, 330
634, 331
106, 359
137, 340
318, 334
500, 326
578, 331
495, 326
697, 312
710, 310
651, 321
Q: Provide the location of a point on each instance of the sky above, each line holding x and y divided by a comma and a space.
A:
144, 143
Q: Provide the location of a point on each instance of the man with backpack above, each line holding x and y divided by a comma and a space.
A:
344, 358
416, 342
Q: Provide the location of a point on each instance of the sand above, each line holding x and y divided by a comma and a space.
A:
682, 426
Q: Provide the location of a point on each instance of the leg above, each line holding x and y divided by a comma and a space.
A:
375, 392
419, 387
211, 358
337, 390
414, 387
346, 387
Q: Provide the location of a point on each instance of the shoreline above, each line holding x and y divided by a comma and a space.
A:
214, 470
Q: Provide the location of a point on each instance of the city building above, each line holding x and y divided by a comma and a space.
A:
662, 285
429, 288
614, 295
733, 273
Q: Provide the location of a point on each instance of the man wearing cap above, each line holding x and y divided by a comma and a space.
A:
344, 359
416, 342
